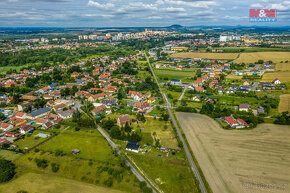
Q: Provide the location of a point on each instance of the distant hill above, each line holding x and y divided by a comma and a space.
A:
176, 26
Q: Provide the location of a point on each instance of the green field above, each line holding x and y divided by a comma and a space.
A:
4, 69
48, 183
171, 174
174, 74
95, 155
90, 143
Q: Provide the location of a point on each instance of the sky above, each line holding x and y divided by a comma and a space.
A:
136, 13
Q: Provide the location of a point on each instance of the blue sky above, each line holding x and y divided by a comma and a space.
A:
135, 13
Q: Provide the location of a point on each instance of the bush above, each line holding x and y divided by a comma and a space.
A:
144, 187
54, 167
7, 170
59, 153
42, 163
108, 182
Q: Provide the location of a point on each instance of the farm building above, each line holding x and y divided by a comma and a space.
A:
231, 121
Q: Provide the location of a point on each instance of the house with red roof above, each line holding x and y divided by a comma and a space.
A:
231, 121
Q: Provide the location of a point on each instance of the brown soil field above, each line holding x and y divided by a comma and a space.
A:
284, 104
221, 56
252, 57
283, 66
282, 76
240, 161
231, 76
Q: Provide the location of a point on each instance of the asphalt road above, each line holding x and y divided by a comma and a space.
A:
114, 146
188, 154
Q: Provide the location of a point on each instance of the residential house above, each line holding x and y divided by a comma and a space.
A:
110, 101
74, 74
123, 119
66, 114
39, 113
5, 126
23, 129
29, 97
199, 89
17, 121
23, 106
20, 115
244, 107
133, 147
41, 121
43, 90
175, 82
99, 109
276, 81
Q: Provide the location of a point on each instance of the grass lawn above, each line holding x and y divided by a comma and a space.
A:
45, 183
91, 144
194, 104
171, 174
30, 141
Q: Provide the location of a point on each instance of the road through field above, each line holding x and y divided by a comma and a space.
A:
178, 131
240, 161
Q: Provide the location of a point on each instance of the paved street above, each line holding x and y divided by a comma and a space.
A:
188, 154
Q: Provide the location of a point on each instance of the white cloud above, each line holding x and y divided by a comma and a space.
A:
256, 5
101, 6
174, 9
196, 4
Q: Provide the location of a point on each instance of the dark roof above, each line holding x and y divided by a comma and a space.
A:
244, 105
175, 80
53, 85
133, 145
40, 111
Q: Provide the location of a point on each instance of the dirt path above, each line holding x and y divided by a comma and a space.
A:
240, 161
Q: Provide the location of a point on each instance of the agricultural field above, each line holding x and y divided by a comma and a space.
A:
283, 76
239, 161
282, 66
45, 183
174, 74
231, 76
276, 57
222, 56
284, 104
